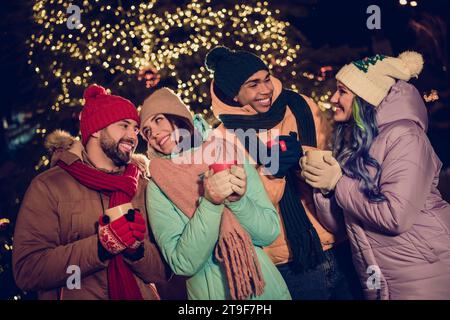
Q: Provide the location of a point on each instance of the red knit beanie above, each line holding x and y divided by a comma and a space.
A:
101, 109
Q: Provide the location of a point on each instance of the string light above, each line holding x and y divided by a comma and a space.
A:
432, 96
4, 222
150, 28
115, 43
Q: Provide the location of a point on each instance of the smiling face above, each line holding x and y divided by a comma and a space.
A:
342, 101
119, 141
160, 133
257, 91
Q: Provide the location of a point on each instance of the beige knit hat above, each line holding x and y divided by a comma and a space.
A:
372, 78
164, 101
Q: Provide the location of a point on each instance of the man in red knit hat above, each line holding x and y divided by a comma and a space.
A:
81, 231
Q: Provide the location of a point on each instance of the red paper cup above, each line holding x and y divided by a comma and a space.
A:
217, 167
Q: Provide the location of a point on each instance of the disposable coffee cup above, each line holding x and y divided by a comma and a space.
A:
317, 155
116, 212
218, 167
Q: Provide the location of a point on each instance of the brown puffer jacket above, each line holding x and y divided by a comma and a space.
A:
56, 228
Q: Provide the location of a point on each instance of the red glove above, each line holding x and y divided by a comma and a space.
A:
126, 232
137, 226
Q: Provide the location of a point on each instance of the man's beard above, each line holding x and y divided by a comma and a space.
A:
111, 149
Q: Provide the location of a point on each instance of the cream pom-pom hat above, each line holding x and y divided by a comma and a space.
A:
371, 78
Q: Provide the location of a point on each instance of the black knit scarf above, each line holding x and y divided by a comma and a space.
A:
303, 239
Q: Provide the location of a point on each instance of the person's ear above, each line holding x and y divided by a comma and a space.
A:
96, 135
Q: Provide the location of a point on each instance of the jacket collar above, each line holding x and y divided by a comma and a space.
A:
65, 156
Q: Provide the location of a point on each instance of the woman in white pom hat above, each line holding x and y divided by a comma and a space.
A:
381, 182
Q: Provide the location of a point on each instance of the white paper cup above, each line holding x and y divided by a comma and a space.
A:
116, 212
317, 155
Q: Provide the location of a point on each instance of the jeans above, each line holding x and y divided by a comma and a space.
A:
334, 279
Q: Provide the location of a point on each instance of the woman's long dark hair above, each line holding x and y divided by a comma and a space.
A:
351, 144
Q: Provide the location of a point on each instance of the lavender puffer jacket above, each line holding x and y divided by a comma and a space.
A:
401, 247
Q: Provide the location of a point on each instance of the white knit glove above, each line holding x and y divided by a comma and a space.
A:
321, 175
238, 183
217, 186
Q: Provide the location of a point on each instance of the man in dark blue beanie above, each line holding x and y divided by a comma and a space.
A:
246, 96
234, 69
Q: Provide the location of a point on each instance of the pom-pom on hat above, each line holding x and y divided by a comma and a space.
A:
372, 78
232, 68
102, 109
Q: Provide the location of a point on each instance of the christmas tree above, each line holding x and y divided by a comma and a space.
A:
71, 45
110, 41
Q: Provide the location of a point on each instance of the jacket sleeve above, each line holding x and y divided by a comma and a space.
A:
150, 268
255, 212
407, 173
40, 261
185, 246
329, 213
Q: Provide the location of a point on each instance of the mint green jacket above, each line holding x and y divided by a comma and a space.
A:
188, 244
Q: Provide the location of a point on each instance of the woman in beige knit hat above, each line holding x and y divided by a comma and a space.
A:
381, 184
163, 111
209, 224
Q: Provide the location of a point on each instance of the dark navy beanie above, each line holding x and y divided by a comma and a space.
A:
232, 68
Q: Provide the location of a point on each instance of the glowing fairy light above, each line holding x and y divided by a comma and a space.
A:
115, 42
145, 33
